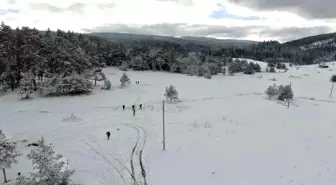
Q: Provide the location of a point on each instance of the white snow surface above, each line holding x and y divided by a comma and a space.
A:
224, 130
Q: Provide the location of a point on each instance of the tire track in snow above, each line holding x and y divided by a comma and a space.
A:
125, 167
109, 162
142, 144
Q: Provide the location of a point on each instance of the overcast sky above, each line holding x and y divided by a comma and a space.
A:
281, 20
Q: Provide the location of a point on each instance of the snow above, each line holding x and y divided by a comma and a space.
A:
224, 130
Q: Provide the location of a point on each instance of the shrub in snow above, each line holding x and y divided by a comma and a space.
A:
272, 69
280, 92
49, 168
249, 69
124, 80
171, 94
107, 85
280, 66
207, 75
202, 70
286, 93
224, 70
332, 80
72, 118
8, 154
257, 68
26, 86
271, 91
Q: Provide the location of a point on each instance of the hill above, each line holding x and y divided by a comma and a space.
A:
202, 42
312, 39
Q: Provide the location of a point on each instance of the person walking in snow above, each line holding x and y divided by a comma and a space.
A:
133, 108
140, 106
123, 107
108, 134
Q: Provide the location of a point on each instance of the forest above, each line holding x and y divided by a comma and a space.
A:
48, 58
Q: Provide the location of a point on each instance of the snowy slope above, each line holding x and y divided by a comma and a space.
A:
223, 132
319, 44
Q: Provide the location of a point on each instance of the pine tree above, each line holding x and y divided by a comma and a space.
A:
75, 84
26, 86
48, 167
286, 93
249, 69
8, 153
171, 93
272, 91
124, 79
257, 68
332, 80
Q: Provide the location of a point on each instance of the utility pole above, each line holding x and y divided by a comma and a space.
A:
163, 126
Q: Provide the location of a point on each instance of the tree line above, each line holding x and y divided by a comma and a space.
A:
67, 57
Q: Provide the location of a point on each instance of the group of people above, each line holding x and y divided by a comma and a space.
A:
133, 108
108, 133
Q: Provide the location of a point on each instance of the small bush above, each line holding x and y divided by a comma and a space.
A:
286, 93
280, 66
107, 84
207, 75
280, 92
124, 80
26, 86
271, 91
224, 70
272, 69
171, 94
257, 68
249, 69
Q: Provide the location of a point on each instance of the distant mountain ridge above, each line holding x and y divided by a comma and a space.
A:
307, 50
212, 43
312, 39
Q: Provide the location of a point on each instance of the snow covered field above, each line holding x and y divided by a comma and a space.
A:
224, 132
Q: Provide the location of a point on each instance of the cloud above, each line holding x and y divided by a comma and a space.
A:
46, 7
218, 14
307, 8
7, 11
182, 2
213, 18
